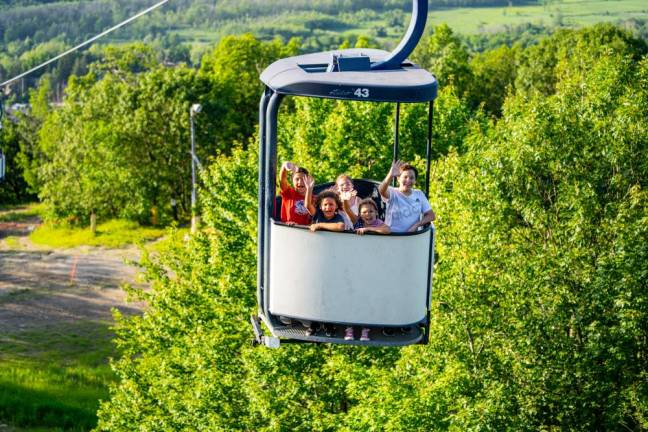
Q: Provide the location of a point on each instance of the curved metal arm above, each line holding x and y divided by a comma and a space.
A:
410, 40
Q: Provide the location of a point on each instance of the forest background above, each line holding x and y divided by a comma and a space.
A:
540, 301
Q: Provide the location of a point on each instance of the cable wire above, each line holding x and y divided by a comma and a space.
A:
89, 41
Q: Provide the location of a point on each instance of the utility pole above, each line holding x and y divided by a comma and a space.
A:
195, 219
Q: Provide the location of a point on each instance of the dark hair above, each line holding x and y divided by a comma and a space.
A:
301, 170
367, 202
328, 194
408, 167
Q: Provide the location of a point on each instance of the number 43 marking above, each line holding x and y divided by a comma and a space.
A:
362, 92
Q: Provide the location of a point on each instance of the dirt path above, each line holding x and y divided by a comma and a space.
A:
42, 288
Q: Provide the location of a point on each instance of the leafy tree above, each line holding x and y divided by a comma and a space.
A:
494, 74
235, 65
539, 301
542, 66
444, 54
13, 188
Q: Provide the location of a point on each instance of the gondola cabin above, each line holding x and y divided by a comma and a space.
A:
382, 282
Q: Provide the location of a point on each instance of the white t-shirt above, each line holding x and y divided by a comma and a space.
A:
404, 211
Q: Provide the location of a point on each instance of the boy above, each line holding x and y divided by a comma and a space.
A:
293, 208
407, 208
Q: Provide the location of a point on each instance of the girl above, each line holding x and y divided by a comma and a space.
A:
368, 220
325, 210
349, 197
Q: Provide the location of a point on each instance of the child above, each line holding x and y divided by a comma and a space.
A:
325, 211
293, 207
407, 208
349, 198
368, 220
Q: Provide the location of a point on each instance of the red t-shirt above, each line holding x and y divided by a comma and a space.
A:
293, 208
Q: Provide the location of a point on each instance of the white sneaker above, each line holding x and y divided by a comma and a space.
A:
365, 335
348, 333
285, 320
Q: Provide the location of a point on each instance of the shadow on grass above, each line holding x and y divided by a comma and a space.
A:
24, 407
55, 377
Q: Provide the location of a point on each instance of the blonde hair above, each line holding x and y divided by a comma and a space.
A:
343, 176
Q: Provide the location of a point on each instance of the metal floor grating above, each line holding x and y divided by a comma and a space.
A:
298, 332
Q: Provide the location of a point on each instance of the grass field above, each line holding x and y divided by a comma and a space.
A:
568, 13
572, 13
52, 380
113, 234
21, 213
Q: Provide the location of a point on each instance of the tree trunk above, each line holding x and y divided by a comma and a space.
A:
154, 215
93, 223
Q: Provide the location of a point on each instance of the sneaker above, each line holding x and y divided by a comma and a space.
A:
406, 330
310, 330
365, 335
329, 330
348, 333
388, 331
285, 320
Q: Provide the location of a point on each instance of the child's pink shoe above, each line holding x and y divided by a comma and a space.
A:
365, 335
348, 333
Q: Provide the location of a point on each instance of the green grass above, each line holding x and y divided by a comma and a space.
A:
53, 380
571, 13
12, 242
567, 12
21, 213
114, 233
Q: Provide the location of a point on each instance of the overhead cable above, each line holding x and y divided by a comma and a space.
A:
89, 41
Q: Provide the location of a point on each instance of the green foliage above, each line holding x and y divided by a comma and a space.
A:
494, 75
181, 368
235, 65
444, 54
13, 188
542, 66
332, 137
539, 301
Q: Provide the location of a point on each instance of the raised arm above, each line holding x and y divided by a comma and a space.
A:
346, 200
394, 171
283, 175
308, 200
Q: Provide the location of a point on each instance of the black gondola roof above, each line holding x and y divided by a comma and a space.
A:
307, 75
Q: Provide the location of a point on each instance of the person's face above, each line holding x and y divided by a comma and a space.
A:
299, 181
328, 207
344, 185
367, 214
406, 179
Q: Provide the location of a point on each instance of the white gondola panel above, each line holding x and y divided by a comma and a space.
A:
346, 278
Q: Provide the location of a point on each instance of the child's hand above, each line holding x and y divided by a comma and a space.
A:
361, 231
314, 227
309, 181
347, 195
395, 168
289, 166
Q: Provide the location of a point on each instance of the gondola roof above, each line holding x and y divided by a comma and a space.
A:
309, 75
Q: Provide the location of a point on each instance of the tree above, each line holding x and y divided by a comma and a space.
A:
443, 54
235, 65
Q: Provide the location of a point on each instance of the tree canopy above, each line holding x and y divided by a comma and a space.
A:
539, 301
